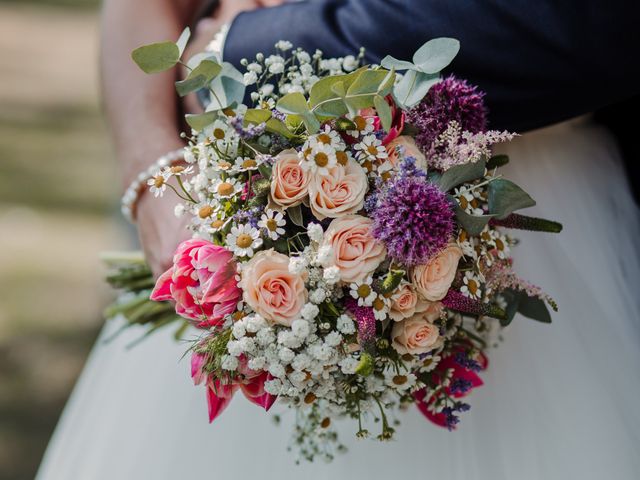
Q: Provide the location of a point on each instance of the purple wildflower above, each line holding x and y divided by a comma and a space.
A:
450, 99
460, 386
365, 319
412, 217
250, 131
467, 362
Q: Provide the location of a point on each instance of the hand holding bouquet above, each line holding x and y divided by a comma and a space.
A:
348, 255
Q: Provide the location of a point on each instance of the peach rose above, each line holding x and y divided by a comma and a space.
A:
417, 334
339, 193
289, 182
410, 150
355, 252
433, 280
406, 302
271, 290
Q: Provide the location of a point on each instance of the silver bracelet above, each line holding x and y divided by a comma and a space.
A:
132, 194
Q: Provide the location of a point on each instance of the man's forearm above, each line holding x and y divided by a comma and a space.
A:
141, 109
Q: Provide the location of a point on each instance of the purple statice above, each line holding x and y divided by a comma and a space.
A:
413, 217
250, 131
449, 100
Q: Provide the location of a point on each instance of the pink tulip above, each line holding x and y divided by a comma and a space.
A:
201, 282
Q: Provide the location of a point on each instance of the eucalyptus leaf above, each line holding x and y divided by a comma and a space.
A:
227, 88
294, 103
473, 224
436, 54
256, 116
295, 215
361, 92
497, 161
190, 85
413, 87
278, 126
506, 197
384, 112
156, 57
531, 307
390, 62
461, 174
265, 170
200, 121
182, 41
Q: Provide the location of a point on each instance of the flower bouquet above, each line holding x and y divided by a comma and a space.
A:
350, 253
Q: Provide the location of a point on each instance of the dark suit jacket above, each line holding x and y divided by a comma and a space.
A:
539, 61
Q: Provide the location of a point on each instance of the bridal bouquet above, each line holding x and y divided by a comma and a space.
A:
349, 253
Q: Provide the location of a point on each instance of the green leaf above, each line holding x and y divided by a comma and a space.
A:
191, 84
265, 170
461, 174
156, 57
384, 112
506, 197
227, 88
361, 92
531, 307
391, 281
200, 121
497, 161
390, 62
277, 126
295, 215
256, 116
413, 87
436, 54
293, 103
182, 41
473, 224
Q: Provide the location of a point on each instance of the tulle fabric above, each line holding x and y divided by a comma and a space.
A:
559, 401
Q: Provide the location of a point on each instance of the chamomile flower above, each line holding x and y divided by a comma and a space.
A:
363, 292
465, 242
158, 184
272, 222
176, 171
328, 136
370, 149
381, 306
226, 188
364, 126
401, 382
468, 201
471, 285
245, 164
318, 157
243, 240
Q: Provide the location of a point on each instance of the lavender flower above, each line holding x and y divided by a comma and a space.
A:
412, 217
450, 99
251, 131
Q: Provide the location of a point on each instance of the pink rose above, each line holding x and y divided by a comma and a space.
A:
433, 280
417, 334
271, 290
409, 148
340, 192
405, 302
354, 250
289, 182
201, 282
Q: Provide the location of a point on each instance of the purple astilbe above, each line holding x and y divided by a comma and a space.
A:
412, 217
365, 320
457, 301
449, 100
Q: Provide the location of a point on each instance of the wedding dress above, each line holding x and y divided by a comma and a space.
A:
559, 401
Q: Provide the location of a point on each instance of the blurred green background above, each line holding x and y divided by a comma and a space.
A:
58, 211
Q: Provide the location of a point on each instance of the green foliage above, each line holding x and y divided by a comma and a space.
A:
531, 307
156, 57
365, 365
497, 161
199, 77
436, 54
384, 112
227, 88
460, 174
472, 224
296, 104
295, 215
199, 121
506, 197
391, 281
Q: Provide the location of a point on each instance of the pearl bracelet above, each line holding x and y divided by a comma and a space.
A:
132, 194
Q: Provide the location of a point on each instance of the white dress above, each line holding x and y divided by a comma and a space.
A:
560, 401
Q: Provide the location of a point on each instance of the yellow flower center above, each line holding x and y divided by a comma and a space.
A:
225, 189
367, 165
177, 169
462, 237
224, 165
400, 379
325, 422
218, 133
244, 240
205, 212
499, 244
373, 150
463, 202
272, 225
229, 112
360, 122
342, 158
364, 290
473, 287
378, 304
324, 138
310, 398
249, 163
158, 181
321, 159
217, 224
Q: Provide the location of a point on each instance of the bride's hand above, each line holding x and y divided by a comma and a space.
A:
160, 231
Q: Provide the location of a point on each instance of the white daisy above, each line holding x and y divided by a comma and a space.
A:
471, 285
328, 137
399, 381
176, 171
363, 292
245, 164
226, 188
272, 222
468, 201
158, 184
369, 151
318, 157
243, 240
381, 306
364, 126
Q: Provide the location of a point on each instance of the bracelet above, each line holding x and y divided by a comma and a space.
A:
132, 194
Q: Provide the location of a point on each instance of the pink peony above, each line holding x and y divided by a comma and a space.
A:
201, 282
220, 393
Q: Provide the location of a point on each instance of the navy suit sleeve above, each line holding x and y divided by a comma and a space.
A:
539, 62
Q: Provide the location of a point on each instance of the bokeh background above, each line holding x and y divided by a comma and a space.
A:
58, 210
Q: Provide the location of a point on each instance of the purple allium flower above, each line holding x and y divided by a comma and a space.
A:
413, 218
450, 99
